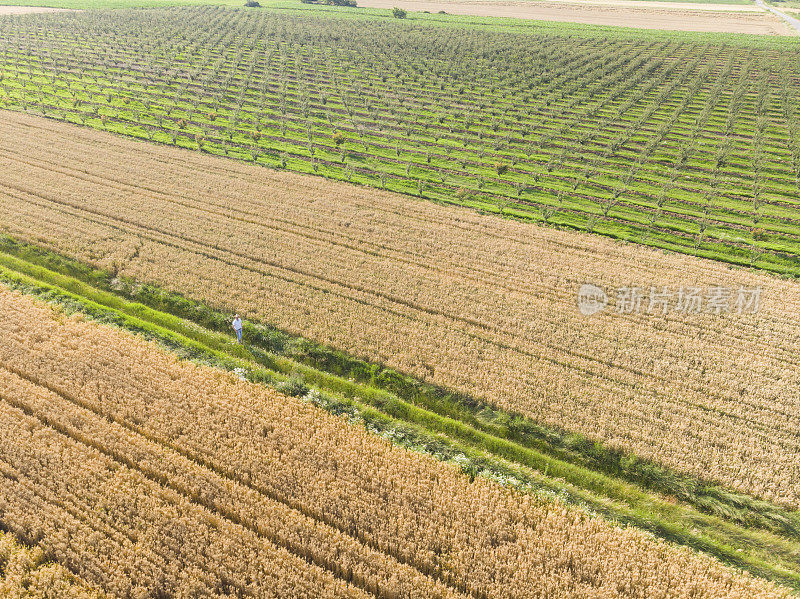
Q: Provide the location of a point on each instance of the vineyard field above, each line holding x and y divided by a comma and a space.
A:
470, 302
685, 143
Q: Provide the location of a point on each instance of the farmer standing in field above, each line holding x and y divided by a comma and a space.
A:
237, 326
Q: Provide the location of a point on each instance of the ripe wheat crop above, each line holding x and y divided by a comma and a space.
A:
470, 302
681, 144
28, 574
147, 473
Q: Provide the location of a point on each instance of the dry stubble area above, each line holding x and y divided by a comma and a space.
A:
24, 10
472, 302
156, 477
643, 15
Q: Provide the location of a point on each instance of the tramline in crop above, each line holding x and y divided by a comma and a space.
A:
683, 145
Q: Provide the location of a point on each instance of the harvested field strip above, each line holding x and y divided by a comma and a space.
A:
644, 15
688, 146
772, 556
52, 443
669, 388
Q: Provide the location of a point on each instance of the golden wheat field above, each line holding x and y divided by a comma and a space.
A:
471, 302
27, 573
152, 475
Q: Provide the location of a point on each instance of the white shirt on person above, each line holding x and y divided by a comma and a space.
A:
237, 324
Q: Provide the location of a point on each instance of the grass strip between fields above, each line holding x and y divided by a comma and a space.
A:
760, 538
479, 416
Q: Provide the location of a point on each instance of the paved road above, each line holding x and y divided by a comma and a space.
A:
791, 20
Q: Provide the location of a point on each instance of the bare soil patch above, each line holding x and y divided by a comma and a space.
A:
644, 15
23, 10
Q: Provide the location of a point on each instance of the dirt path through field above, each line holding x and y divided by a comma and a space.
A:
791, 21
644, 15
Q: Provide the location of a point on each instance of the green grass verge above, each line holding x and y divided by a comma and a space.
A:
741, 531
